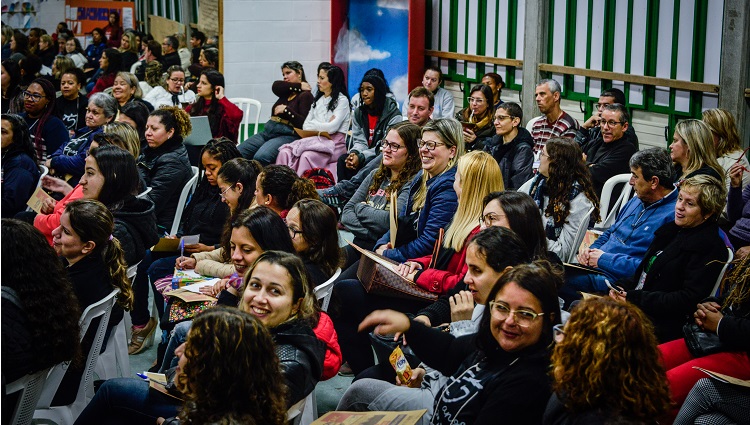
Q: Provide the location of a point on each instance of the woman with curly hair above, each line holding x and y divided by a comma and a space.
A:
726, 317
228, 372
564, 193
606, 366
40, 312
366, 213
163, 163
477, 119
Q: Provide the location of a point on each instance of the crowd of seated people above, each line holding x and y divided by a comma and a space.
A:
470, 205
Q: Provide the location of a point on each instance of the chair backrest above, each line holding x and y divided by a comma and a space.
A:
45, 171
296, 410
608, 216
580, 233
189, 186
143, 194
324, 290
730, 257
245, 104
101, 309
29, 388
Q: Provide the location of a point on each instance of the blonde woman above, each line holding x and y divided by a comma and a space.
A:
128, 50
726, 142
692, 151
477, 175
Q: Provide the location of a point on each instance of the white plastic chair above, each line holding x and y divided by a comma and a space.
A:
730, 257
115, 354
324, 290
245, 103
143, 194
294, 412
609, 186
68, 414
189, 186
580, 234
304, 412
29, 388
531, 122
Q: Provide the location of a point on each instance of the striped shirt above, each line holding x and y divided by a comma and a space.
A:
543, 130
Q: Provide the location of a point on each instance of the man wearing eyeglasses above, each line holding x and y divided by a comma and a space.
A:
591, 129
608, 154
169, 50
618, 252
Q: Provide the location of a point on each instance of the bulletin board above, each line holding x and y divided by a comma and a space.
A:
83, 16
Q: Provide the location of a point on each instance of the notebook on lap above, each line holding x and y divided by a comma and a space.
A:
201, 133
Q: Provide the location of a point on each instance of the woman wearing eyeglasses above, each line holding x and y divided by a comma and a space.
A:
366, 215
172, 92
499, 372
48, 133
477, 118
512, 146
313, 229
564, 193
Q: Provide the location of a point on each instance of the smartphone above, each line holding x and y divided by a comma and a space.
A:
616, 289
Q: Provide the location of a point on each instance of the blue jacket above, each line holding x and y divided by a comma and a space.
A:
439, 207
70, 158
20, 176
625, 243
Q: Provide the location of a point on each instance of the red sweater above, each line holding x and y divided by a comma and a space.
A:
442, 281
229, 117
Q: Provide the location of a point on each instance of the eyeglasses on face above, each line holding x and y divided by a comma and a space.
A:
523, 318
490, 218
224, 192
177, 80
610, 123
477, 100
33, 96
393, 147
430, 145
294, 232
502, 117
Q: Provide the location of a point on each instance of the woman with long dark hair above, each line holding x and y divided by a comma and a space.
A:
477, 118
376, 107
94, 50
113, 30
564, 193
330, 114
20, 172
110, 63
47, 132
12, 101
289, 112
224, 117
313, 228
278, 187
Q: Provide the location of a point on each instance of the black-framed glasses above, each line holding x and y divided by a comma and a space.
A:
35, 97
610, 123
430, 145
224, 192
177, 80
523, 318
558, 333
294, 232
393, 147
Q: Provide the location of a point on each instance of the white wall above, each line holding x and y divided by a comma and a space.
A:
261, 35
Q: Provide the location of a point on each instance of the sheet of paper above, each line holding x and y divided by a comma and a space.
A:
383, 261
410, 417
724, 378
37, 199
191, 239
195, 287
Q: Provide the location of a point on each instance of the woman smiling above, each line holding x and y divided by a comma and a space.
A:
126, 89
477, 118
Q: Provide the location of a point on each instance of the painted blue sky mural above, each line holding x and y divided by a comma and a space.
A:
377, 38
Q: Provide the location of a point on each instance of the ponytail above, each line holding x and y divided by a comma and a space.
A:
114, 259
301, 189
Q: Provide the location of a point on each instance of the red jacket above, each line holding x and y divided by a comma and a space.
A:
326, 333
46, 223
442, 281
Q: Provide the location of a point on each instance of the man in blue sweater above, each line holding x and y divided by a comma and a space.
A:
620, 249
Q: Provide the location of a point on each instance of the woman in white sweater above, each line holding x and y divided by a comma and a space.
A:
329, 114
172, 92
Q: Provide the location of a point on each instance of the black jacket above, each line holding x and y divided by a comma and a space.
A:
483, 387
606, 160
135, 228
169, 60
20, 177
301, 355
685, 268
165, 170
205, 215
516, 158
